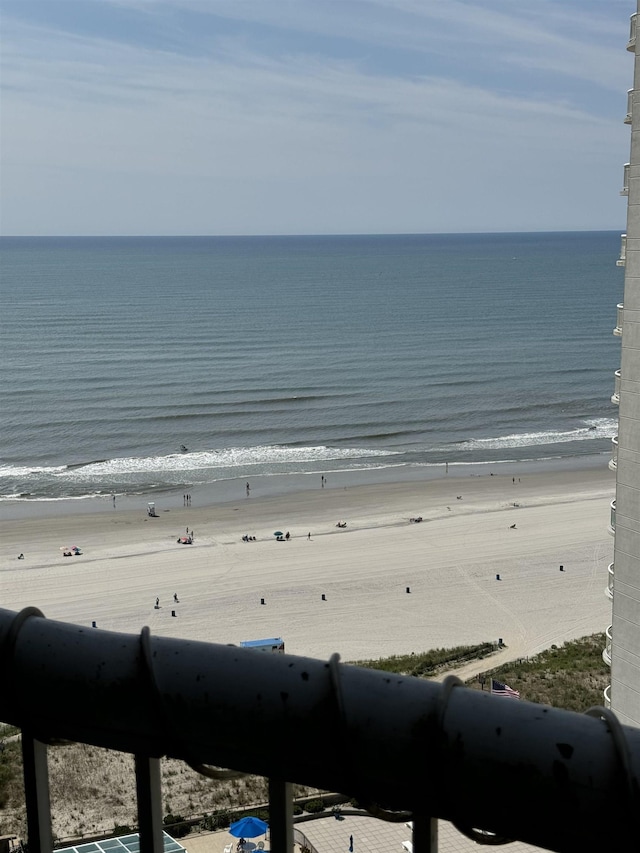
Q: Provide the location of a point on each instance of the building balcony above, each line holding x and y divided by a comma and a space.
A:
606, 652
609, 590
629, 115
229, 712
631, 44
607, 696
625, 179
623, 251
613, 462
615, 397
612, 523
619, 318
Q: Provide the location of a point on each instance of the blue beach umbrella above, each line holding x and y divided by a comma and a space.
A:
248, 827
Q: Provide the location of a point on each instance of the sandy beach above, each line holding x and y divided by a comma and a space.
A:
390, 585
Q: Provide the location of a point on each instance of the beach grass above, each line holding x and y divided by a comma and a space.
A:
572, 676
429, 664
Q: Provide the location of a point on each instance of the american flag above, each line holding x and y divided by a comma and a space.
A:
501, 689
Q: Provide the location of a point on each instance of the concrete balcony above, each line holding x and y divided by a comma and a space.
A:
625, 180
623, 251
612, 523
619, 318
628, 117
609, 590
606, 652
631, 44
615, 397
613, 462
607, 696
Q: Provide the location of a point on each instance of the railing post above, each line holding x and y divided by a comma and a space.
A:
36, 789
425, 834
280, 816
149, 794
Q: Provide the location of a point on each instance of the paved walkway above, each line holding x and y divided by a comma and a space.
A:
370, 835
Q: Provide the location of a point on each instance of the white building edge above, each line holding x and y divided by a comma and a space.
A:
622, 650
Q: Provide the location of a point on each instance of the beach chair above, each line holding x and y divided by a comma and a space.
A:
260, 845
228, 848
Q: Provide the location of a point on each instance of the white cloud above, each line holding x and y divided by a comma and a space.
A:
237, 140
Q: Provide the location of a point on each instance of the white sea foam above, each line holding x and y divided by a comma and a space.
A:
23, 471
234, 457
594, 428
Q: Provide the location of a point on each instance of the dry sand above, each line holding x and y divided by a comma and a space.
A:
449, 562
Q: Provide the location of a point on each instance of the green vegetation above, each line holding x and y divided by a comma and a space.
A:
572, 677
175, 825
6, 730
314, 806
217, 820
428, 664
11, 785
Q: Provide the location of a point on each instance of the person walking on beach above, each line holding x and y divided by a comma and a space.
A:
309, 536
157, 602
248, 489
175, 598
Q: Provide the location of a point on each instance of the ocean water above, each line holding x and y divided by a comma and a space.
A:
279, 356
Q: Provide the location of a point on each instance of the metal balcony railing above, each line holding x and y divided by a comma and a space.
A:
629, 116
410, 749
609, 590
613, 462
607, 696
631, 44
619, 319
617, 379
622, 260
625, 180
606, 653
612, 523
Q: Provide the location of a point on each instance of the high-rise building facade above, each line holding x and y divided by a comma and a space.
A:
622, 650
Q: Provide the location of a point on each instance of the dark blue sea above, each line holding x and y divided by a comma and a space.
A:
272, 357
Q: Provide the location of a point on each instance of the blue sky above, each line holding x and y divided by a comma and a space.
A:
222, 117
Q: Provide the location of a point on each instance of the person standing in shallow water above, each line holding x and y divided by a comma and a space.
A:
248, 489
